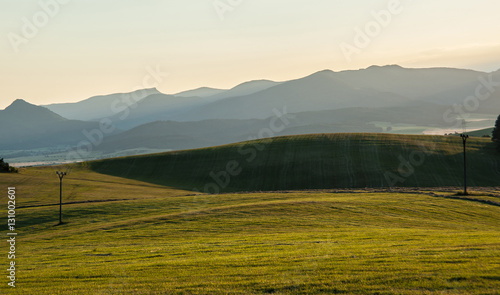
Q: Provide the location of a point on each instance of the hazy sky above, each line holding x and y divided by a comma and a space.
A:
69, 50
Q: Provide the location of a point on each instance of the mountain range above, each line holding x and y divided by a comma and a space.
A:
375, 86
26, 126
325, 101
98, 107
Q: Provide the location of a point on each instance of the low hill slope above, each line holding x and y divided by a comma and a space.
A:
317, 161
483, 132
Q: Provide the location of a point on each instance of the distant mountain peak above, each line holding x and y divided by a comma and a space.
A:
205, 88
19, 104
385, 67
324, 74
326, 71
253, 82
23, 110
20, 101
148, 91
200, 92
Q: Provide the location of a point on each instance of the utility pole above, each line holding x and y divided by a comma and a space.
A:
464, 140
61, 176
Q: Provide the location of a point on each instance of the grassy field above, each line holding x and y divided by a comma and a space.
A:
319, 161
124, 236
482, 132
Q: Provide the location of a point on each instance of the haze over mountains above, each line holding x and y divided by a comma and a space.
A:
98, 107
376, 99
375, 86
26, 126
239, 90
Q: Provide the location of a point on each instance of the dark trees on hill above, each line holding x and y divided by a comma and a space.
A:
495, 136
5, 168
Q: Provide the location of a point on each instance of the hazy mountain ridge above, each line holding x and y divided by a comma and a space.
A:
319, 91
411, 83
241, 89
200, 92
367, 100
376, 86
100, 106
467, 93
128, 110
172, 107
24, 125
245, 88
197, 134
183, 135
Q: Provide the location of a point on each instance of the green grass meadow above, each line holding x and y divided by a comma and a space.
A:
134, 226
317, 161
151, 239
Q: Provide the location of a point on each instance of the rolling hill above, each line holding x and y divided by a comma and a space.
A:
482, 133
320, 161
362, 241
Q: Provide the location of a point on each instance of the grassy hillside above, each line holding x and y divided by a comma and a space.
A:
317, 161
128, 237
482, 132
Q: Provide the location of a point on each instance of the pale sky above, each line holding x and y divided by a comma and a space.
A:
73, 49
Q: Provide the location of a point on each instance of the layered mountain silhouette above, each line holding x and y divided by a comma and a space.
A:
320, 91
25, 126
326, 101
239, 90
201, 92
101, 106
195, 134
373, 87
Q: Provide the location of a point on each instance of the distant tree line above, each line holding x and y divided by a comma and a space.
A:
495, 136
5, 168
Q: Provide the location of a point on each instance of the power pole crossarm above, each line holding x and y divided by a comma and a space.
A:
61, 176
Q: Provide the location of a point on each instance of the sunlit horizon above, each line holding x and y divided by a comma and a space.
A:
80, 51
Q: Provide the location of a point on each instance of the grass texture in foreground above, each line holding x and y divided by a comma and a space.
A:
157, 240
